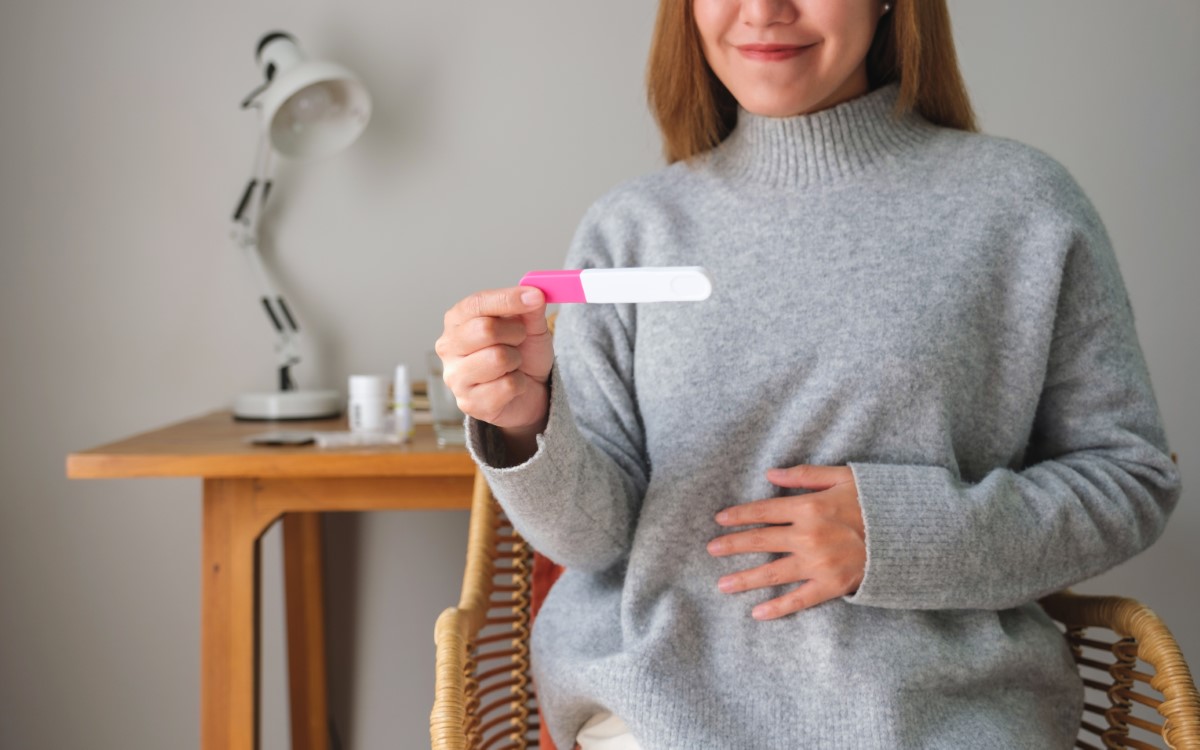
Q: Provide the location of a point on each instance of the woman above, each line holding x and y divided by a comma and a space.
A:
916, 391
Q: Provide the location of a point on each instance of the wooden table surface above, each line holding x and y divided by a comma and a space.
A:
213, 445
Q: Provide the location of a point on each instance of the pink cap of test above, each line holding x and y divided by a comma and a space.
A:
558, 286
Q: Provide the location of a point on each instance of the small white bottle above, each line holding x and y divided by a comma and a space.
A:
402, 415
367, 406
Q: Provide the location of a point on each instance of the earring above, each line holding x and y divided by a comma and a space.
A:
886, 8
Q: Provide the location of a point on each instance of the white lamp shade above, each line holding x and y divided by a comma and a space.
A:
314, 108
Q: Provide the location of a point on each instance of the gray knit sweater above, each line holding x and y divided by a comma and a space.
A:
941, 311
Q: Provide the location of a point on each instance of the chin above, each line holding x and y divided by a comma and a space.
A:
783, 98
774, 106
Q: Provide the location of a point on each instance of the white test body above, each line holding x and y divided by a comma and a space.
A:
676, 284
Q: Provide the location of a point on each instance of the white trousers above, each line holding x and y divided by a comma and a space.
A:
606, 731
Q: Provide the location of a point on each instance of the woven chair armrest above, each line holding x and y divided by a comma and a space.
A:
448, 716
480, 569
1156, 646
457, 627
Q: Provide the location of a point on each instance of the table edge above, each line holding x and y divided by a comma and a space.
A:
133, 466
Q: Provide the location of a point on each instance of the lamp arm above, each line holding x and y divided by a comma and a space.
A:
246, 236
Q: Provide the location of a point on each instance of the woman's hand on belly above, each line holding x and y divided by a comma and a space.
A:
823, 531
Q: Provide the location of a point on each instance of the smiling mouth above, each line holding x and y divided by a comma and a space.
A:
772, 52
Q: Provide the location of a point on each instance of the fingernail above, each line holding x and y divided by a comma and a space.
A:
723, 516
759, 612
530, 298
725, 584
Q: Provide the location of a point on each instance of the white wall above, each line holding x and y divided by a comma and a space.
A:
123, 305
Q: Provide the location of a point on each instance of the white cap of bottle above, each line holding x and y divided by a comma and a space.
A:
368, 385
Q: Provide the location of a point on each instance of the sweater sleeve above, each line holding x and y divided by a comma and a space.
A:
577, 498
1097, 483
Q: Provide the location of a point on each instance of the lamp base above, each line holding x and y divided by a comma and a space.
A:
287, 405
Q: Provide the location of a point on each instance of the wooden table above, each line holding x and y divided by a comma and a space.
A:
246, 489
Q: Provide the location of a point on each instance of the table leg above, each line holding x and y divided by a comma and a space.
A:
229, 638
304, 581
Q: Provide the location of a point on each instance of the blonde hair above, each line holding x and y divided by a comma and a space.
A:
913, 45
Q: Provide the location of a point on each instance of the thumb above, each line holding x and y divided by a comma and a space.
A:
807, 476
537, 350
534, 316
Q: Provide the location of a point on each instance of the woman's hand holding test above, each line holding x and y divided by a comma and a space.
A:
823, 531
496, 352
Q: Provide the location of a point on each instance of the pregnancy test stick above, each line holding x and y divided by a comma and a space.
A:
664, 284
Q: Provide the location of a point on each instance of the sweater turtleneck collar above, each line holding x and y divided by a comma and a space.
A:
827, 146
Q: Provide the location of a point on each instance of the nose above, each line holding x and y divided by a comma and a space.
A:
767, 12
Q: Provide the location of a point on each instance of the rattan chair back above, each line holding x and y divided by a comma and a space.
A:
484, 696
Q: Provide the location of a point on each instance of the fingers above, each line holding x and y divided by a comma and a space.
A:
788, 509
480, 367
815, 585
815, 540
476, 334
487, 401
808, 594
765, 539
809, 476
779, 572
514, 317
535, 319
516, 300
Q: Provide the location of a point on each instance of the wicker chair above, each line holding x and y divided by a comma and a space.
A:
485, 697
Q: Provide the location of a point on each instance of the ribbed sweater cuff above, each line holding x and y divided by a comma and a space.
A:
912, 516
531, 479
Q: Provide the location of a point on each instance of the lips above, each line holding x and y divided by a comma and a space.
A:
772, 52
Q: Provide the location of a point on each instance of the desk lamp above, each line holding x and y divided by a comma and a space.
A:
307, 109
